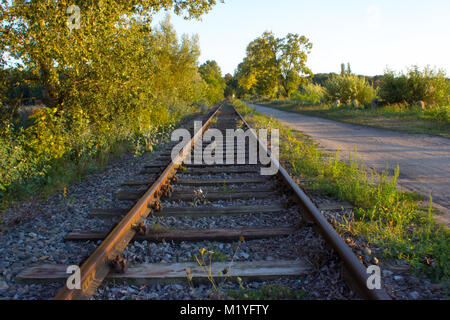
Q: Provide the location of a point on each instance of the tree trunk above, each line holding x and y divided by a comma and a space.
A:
50, 95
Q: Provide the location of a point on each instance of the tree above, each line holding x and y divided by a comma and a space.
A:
211, 73
111, 81
67, 61
349, 69
258, 73
231, 88
274, 65
429, 85
294, 54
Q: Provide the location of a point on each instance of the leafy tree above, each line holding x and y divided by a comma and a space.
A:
113, 80
212, 75
273, 65
231, 85
345, 71
310, 94
259, 72
294, 54
68, 62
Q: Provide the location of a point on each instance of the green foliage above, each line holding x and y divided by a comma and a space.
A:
274, 66
114, 81
310, 94
434, 120
102, 57
232, 86
294, 50
212, 75
384, 216
429, 85
3, 91
347, 88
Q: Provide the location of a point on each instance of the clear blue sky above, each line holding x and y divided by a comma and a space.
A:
371, 35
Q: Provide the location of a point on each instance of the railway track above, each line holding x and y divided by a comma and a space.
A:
226, 204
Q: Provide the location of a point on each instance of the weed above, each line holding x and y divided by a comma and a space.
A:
199, 198
205, 261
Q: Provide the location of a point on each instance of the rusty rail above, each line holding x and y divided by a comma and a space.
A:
97, 266
357, 272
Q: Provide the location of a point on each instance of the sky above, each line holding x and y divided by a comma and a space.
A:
371, 35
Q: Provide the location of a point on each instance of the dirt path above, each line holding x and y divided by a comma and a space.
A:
424, 160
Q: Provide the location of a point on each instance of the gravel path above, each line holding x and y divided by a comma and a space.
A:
424, 160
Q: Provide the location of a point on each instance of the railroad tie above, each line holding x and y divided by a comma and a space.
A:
195, 212
159, 273
192, 235
208, 170
214, 195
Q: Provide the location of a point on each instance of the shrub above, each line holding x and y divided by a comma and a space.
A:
311, 94
439, 113
349, 87
429, 85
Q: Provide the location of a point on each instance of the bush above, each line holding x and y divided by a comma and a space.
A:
439, 113
310, 94
429, 85
35, 157
349, 87
383, 215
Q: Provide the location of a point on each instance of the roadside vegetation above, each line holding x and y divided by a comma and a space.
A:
403, 118
113, 85
383, 216
274, 73
415, 101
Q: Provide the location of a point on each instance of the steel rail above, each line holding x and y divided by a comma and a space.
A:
358, 276
97, 266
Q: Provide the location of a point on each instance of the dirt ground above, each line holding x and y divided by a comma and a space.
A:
424, 160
